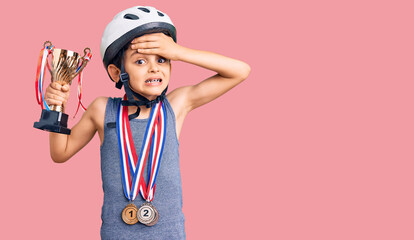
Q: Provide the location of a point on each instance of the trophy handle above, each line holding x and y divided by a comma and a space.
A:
48, 44
85, 59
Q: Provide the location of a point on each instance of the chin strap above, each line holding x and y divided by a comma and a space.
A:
143, 101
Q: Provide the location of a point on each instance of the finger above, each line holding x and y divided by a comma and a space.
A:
53, 102
55, 85
146, 38
57, 96
145, 45
54, 99
65, 88
148, 51
56, 92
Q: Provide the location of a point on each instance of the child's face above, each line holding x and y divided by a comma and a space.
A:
149, 74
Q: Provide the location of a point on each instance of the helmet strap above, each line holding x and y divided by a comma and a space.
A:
124, 81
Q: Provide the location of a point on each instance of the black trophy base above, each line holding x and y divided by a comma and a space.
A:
53, 121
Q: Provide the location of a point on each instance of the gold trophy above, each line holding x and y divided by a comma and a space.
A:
65, 66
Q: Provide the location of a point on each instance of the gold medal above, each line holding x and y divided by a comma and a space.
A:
129, 214
147, 214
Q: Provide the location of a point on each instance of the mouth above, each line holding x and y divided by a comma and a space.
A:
153, 81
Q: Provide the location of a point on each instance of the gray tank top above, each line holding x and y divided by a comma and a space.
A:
168, 193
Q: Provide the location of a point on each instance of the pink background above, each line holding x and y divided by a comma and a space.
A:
316, 144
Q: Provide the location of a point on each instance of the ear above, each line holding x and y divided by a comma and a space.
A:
114, 72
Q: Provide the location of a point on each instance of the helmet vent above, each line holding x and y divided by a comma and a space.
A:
131, 16
144, 9
160, 14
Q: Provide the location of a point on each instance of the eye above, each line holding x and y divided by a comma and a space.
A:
140, 61
162, 60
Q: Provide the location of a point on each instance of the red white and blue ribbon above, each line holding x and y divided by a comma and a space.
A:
87, 57
152, 148
40, 73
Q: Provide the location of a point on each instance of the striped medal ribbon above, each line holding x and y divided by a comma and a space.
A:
40, 73
132, 165
88, 57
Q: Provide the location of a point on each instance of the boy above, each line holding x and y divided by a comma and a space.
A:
139, 134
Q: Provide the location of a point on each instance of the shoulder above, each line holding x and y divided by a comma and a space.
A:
178, 100
98, 105
96, 110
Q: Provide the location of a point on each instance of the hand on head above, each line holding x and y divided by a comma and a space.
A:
157, 44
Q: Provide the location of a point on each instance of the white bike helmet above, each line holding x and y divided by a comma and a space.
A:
127, 25
131, 23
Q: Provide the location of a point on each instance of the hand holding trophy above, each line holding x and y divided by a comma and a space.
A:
65, 66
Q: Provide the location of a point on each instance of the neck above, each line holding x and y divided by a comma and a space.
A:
147, 97
144, 103
144, 113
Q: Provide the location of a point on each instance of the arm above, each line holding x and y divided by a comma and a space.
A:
63, 147
230, 72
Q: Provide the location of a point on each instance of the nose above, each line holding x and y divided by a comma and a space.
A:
153, 67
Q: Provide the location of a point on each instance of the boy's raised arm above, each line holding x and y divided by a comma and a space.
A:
230, 72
